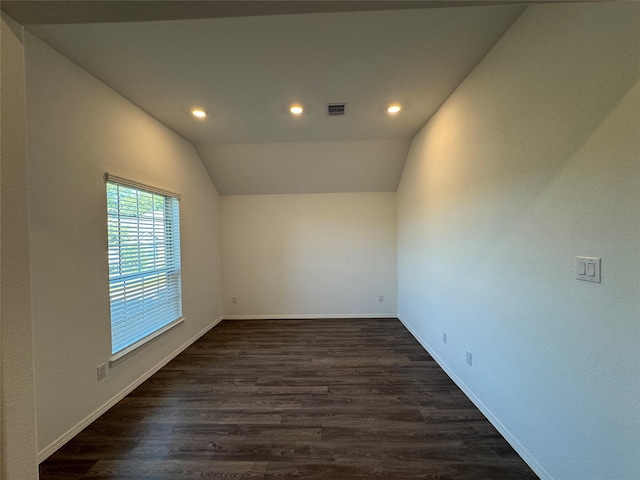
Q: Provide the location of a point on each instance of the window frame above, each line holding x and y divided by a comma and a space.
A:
172, 273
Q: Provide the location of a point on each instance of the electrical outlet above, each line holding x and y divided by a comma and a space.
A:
102, 371
444, 337
381, 298
469, 357
234, 299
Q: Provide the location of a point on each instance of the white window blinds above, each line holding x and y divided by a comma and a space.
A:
144, 261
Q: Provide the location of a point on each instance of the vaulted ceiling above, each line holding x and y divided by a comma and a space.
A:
245, 71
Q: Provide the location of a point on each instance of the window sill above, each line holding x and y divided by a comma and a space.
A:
131, 349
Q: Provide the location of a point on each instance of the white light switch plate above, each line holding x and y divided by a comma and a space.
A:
588, 269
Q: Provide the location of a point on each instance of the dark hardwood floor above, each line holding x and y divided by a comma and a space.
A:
299, 399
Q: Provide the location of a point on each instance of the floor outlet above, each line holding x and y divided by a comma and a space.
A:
102, 371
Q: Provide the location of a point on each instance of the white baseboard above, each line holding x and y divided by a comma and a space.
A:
302, 316
504, 431
72, 432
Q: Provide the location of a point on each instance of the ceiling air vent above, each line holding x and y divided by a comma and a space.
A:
334, 109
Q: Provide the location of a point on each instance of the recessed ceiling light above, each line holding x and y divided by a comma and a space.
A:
198, 113
296, 109
394, 108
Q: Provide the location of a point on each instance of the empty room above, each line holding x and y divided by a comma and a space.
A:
320, 240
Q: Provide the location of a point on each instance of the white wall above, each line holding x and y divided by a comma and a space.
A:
532, 161
78, 129
312, 167
17, 406
309, 255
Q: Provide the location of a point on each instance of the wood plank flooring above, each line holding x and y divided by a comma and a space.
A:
294, 399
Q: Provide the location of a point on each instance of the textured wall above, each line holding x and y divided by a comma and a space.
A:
316, 254
78, 129
531, 162
18, 434
309, 167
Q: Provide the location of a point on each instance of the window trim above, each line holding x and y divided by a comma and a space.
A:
126, 352
108, 177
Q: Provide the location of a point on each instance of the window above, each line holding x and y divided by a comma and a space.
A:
144, 262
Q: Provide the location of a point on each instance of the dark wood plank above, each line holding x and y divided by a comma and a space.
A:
305, 399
